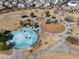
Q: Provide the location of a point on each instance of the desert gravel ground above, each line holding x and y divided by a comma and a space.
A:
59, 55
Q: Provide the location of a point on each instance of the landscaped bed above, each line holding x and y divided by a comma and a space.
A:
52, 28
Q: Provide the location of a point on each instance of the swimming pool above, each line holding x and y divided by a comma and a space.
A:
24, 38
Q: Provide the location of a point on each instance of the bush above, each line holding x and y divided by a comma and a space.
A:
2, 37
8, 37
47, 14
31, 51
32, 15
36, 25
48, 21
33, 5
23, 24
11, 45
3, 46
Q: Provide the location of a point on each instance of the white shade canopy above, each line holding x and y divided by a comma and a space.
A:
72, 4
21, 5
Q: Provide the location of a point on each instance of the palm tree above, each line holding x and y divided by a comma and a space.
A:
36, 25
2, 38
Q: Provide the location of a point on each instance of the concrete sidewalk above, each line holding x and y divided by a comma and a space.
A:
2, 56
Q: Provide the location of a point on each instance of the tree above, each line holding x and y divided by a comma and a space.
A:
3, 46
48, 21
47, 14
31, 51
11, 45
33, 5
2, 37
9, 37
23, 24
36, 25
32, 15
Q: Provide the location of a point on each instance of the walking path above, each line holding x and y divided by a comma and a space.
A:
65, 48
17, 54
2, 56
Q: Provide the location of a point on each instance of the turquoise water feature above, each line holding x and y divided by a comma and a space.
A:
24, 38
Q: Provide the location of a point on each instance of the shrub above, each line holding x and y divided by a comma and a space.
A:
33, 5
3, 40
47, 14
32, 15
8, 37
23, 24
48, 21
31, 51
3, 46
